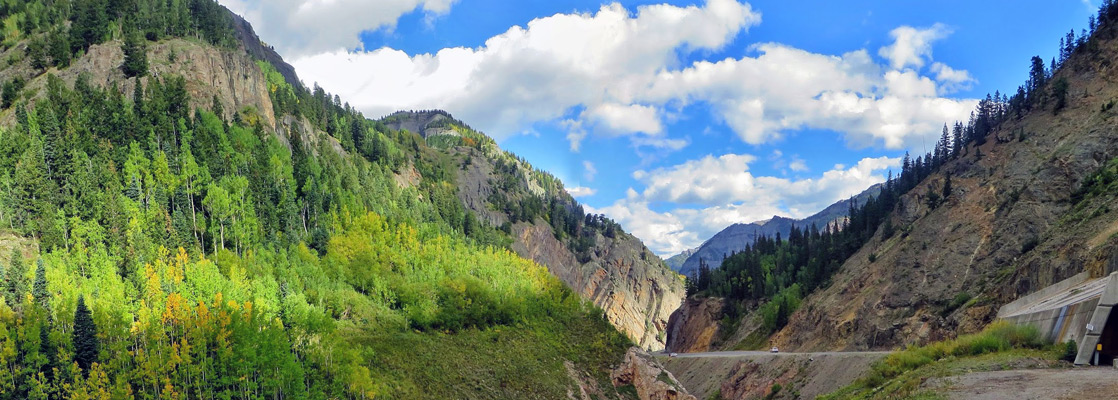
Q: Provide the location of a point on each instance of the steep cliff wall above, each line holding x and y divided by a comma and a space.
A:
637, 291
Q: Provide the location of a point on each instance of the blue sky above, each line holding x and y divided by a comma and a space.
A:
679, 118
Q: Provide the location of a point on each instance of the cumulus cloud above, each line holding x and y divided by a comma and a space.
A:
711, 193
302, 27
616, 72
600, 63
911, 46
952, 80
785, 89
581, 191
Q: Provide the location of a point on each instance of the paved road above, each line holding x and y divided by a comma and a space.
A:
765, 353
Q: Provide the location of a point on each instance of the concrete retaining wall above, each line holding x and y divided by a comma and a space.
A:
1056, 288
1062, 324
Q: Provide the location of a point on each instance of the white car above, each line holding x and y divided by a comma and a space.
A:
774, 350
672, 355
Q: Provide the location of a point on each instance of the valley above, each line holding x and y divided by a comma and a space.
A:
182, 216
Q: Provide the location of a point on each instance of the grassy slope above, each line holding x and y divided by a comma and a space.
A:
904, 373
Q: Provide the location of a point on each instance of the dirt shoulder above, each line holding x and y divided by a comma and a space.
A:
1076, 383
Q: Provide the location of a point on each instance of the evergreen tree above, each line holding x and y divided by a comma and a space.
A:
1037, 79
60, 49
135, 54
39, 290
86, 344
947, 186
17, 279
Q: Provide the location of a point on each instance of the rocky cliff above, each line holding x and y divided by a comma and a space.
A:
637, 291
694, 326
229, 75
650, 379
1012, 225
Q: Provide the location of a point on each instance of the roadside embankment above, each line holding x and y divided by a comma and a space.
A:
749, 375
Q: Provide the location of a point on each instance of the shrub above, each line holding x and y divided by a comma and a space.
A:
999, 336
959, 300
1071, 350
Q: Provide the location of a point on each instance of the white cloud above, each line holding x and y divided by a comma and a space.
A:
798, 165
911, 46
581, 191
785, 89
589, 171
622, 119
303, 27
600, 62
724, 192
952, 80
617, 72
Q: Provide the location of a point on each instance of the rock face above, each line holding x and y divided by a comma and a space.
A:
649, 378
694, 326
621, 277
424, 123
634, 287
1010, 227
231, 76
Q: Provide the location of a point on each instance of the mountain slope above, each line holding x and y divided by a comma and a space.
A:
1030, 206
736, 237
676, 262
199, 224
590, 253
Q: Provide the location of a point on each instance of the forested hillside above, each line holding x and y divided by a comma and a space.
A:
170, 240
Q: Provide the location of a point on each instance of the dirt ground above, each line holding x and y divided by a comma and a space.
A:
1077, 383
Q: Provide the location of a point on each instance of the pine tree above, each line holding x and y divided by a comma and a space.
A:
39, 290
17, 279
135, 54
86, 346
60, 49
947, 186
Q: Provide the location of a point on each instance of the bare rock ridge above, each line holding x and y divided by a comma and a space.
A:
256, 48
424, 123
1010, 227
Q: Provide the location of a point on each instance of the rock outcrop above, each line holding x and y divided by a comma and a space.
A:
634, 287
694, 327
622, 277
230, 76
648, 377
